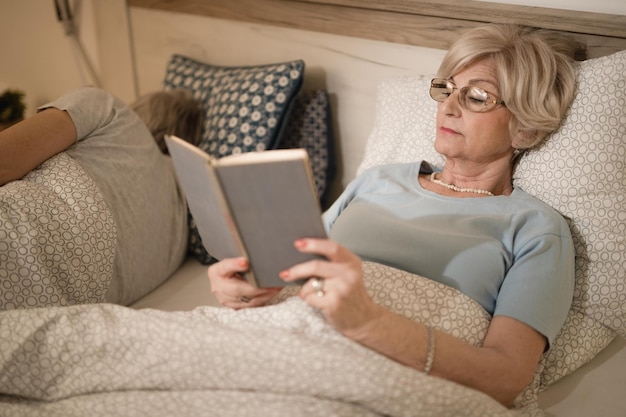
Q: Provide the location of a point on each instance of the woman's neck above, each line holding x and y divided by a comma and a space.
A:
471, 179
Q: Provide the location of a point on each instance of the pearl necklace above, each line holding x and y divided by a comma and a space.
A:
458, 189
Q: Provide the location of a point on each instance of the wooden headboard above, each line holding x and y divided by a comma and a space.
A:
434, 24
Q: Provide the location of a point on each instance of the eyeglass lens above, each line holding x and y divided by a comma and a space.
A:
471, 98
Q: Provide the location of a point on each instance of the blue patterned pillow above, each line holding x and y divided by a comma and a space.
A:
195, 247
246, 109
310, 127
245, 106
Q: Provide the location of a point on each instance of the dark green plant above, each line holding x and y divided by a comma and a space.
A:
11, 106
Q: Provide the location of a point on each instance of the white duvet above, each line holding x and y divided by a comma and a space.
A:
284, 359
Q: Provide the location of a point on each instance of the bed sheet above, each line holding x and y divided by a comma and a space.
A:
596, 389
281, 360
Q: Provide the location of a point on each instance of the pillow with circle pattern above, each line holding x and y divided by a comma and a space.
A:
246, 109
580, 171
310, 127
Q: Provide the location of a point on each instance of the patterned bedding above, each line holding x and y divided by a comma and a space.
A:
278, 360
57, 238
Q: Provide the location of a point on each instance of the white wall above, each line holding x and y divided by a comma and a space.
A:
36, 56
40, 60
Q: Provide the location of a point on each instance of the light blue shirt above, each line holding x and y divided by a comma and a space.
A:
513, 254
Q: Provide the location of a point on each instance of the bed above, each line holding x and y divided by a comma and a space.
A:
359, 84
592, 361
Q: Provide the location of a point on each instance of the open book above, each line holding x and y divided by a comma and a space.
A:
253, 204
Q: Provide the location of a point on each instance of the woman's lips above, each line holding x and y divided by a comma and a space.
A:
448, 131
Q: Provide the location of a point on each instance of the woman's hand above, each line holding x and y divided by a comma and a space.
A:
230, 288
342, 297
501, 367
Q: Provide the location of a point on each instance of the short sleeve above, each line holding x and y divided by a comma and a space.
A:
539, 286
91, 109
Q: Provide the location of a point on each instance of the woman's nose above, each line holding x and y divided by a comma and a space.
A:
451, 104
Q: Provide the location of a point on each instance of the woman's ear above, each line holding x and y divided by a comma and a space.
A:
525, 138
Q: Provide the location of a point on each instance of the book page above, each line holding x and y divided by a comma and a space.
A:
273, 204
206, 202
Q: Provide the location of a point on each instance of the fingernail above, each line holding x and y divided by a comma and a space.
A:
300, 243
284, 274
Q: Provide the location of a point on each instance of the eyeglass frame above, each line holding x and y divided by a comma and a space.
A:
492, 102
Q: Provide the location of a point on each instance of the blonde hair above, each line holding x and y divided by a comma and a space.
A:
534, 68
173, 112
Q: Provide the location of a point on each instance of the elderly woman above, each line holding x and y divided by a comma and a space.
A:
501, 90
116, 148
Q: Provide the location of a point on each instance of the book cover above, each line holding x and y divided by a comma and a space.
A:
253, 205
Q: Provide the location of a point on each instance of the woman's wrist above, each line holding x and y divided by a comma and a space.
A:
398, 338
371, 327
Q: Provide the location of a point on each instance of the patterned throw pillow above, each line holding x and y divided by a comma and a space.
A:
580, 171
195, 246
245, 109
245, 106
310, 127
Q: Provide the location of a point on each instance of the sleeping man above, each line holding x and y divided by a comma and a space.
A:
89, 206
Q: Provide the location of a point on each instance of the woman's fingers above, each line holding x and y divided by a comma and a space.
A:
232, 290
337, 259
257, 298
335, 285
228, 267
329, 249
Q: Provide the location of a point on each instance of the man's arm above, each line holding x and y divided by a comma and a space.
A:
27, 144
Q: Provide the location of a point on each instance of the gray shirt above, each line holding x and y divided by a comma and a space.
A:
139, 185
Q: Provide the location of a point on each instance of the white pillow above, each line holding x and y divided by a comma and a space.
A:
404, 124
580, 171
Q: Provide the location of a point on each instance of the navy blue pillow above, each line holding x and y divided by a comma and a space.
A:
310, 127
245, 109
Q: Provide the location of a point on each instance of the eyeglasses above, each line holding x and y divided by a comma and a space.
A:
472, 98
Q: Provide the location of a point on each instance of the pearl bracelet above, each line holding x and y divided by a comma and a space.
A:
430, 355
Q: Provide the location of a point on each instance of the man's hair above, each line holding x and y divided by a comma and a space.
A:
171, 112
